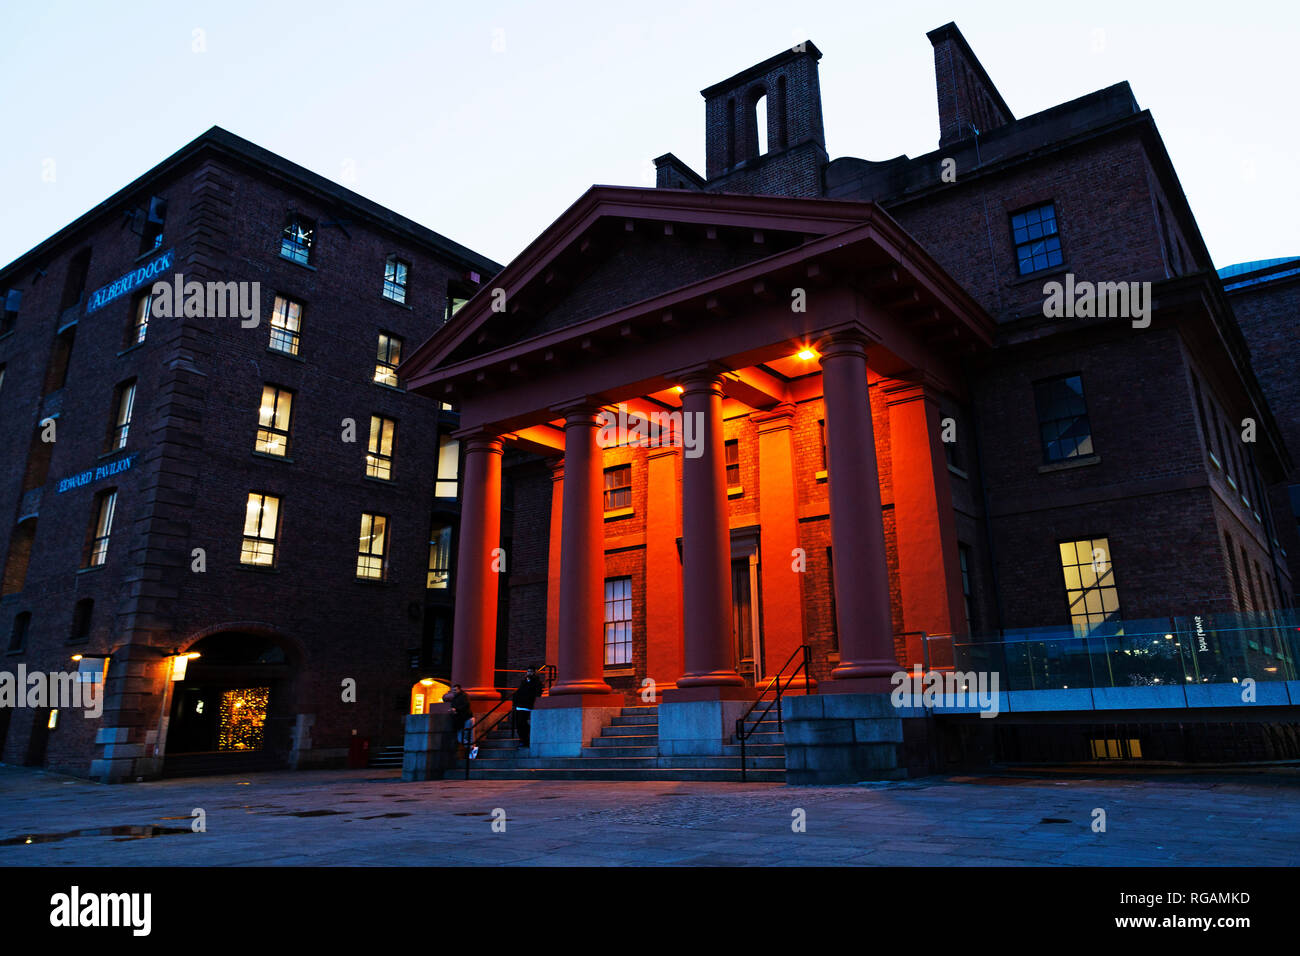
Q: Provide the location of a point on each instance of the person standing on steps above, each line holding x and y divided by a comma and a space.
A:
530, 688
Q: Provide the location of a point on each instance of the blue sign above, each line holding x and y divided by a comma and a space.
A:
98, 473
130, 282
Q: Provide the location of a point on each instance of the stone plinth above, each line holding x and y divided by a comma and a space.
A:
429, 748
842, 738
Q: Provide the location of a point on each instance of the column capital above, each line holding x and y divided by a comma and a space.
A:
706, 376
479, 439
775, 418
910, 387
846, 341
579, 408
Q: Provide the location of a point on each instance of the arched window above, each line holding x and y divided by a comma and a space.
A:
760, 123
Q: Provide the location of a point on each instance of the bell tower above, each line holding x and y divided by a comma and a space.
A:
784, 155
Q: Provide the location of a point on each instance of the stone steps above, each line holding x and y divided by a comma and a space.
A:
666, 775
628, 749
386, 758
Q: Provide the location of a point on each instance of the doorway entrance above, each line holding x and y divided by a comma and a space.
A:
746, 630
236, 698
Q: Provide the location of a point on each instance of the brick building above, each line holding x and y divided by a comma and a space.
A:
1002, 467
1265, 297
210, 468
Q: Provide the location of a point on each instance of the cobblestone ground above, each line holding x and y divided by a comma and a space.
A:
371, 818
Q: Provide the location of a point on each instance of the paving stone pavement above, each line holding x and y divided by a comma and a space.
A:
371, 818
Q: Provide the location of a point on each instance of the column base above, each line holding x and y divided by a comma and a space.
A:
579, 688
477, 695
858, 685
722, 678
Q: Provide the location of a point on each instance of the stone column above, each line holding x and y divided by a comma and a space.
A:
582, 560
474, 633
706, 541
857, 535
929, 567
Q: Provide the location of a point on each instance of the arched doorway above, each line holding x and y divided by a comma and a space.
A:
236, 705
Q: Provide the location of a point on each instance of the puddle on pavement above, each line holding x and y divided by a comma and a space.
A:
120, 833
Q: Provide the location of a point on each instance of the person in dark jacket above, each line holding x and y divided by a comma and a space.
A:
530, 688
460, 710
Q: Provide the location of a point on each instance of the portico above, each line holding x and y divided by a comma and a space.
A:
717, 308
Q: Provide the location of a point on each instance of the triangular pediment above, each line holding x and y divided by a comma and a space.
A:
618, 246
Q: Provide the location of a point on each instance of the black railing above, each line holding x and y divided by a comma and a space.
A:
480, 726
778, 685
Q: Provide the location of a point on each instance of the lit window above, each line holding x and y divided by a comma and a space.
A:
447, 484
439, 557
732, 451
97, 553
395, 279
618, 487
1063, 418
371, 552
123, 407
1089, 583
379, 460
618, 621
388, 357
296, 242
260, 522
139, 320
286, 323
1038, 242
273, 417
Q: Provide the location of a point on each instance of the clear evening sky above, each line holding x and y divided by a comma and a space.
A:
485, 120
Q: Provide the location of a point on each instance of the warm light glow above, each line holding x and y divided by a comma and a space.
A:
242, 718
678, 389
807, 355
179, 666
76, 657
425, 692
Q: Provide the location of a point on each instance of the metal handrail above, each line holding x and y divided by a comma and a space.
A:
480, 727
805, 665
547, 672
